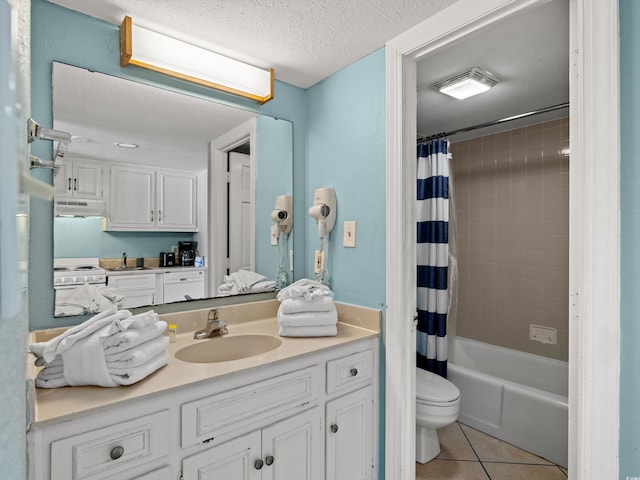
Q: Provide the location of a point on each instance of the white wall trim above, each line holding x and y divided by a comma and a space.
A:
217, 200
594, 228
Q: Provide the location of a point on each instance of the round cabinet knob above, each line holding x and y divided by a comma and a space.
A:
354, 372
334, 428
268, 460
116, 452
258, 464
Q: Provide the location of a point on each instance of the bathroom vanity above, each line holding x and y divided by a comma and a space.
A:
305, 410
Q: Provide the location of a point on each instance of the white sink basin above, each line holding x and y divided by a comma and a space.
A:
227, 348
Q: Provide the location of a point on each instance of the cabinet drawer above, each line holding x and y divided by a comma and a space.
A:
133, 282
352, 370
236, 409
90, 455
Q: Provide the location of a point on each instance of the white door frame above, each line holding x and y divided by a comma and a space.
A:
594, 264
217, 199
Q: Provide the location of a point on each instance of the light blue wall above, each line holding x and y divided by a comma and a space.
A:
270, 178
346, 151
66, 36
630, 239
83, 237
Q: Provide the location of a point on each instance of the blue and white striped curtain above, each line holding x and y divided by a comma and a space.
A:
432, 212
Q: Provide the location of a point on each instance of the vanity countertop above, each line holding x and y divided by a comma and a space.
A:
154, 270
48, 405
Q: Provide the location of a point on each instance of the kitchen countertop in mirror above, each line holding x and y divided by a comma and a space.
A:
257, 318
146, 270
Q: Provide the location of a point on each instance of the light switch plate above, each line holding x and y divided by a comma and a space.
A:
349, 239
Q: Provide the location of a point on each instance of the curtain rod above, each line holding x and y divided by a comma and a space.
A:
494, 122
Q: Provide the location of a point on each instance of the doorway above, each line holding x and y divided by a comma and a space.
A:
594, 232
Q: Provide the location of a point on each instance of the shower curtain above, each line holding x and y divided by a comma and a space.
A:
432, 214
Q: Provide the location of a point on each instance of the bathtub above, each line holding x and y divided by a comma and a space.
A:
515, 396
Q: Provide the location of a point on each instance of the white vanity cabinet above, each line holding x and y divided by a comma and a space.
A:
311, 417
151, 199
286, 450
77, 179
137, 290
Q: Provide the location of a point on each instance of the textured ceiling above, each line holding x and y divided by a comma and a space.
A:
529, 53
303, 40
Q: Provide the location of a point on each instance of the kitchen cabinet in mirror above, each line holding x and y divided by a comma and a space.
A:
149, 169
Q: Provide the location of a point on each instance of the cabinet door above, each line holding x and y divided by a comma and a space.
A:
291, 449
63, 181
132, 193
233, 460
176, 201
87, 181
350, 436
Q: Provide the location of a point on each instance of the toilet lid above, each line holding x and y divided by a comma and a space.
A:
434, 388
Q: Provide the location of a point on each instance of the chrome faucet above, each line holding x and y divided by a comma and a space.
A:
214, 327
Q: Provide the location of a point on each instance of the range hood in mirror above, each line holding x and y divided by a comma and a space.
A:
79, 208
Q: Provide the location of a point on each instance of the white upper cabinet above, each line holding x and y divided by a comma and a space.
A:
176, 200
151, 199
79, 179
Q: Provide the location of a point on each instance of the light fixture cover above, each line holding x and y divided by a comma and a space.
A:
154, 51
466, 84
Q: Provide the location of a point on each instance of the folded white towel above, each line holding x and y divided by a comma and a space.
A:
305, 288
139, 355
88, 299
118, 376
84, 362
312, 331
134, 375
244, 281
122, 341
308, 319
321, 303
56, 346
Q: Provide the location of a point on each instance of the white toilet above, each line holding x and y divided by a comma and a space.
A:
437, 405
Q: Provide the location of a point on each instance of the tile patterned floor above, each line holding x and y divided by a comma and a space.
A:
467, 454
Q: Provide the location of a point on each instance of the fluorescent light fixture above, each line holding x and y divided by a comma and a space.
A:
158, 52
466, 84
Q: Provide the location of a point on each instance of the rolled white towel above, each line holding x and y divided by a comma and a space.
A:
321, 303
307, 319
312, 331
305, 288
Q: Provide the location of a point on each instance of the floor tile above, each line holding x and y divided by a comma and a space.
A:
515, 471
490, 449
454, 445
450, 470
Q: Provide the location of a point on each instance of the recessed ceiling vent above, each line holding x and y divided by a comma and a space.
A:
466, 84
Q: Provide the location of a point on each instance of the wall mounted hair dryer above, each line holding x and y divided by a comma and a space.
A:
324, 210
282, 216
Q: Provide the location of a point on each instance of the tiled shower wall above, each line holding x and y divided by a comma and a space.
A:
511, 197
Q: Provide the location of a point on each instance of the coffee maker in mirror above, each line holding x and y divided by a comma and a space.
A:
187, 253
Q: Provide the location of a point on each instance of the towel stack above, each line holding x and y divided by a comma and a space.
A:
110, 349
307, 310
245, 281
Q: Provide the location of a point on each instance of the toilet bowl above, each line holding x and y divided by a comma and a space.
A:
437, 406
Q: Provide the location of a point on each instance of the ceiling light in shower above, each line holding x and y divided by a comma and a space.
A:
466, 84
126, 145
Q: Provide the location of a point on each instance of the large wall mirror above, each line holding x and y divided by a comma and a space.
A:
151, 170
